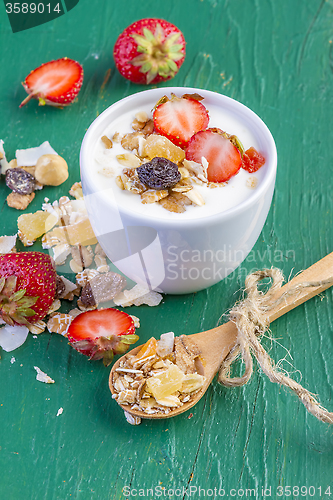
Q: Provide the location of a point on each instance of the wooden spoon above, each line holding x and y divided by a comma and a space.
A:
215, 344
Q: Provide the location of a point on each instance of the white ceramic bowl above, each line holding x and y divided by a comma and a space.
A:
177, 255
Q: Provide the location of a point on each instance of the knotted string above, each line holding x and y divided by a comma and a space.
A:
251, 317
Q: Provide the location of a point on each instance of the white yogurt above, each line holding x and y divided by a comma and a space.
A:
217, 200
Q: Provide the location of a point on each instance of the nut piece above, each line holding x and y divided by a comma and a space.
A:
51, 170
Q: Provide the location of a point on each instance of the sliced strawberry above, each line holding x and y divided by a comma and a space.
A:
223, 157
252, 160
56, 83
102, 333
179, 118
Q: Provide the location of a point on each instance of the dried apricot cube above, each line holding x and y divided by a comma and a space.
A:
166, 383
157, 145
34, 225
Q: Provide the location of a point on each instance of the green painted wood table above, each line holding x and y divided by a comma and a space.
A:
255, 441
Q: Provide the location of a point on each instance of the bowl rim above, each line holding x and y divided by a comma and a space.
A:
228, 214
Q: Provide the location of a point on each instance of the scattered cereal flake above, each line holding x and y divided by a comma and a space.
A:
28, 157
60, 253
252, 182
12, 337
60, 411
137, 296
107, 172
37, 328
7, 243
131, 419
59, 323
76, 191
19, 201
43, 377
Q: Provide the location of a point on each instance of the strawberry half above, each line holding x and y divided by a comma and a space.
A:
179, 118
223, 157
149, 51
101, 333
56, 83
27, 287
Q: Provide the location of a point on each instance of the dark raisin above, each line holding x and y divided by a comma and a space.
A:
87, 296
159, 173
60, 288
20, 181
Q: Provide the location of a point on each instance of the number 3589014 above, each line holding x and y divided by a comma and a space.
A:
32, 8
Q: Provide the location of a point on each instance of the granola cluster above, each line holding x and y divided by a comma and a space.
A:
141, 147
162, 376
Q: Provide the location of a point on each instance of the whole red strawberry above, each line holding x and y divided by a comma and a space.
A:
27, 287
149, 51
56, 83
101, 333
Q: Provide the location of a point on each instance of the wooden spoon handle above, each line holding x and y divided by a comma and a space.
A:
321, 272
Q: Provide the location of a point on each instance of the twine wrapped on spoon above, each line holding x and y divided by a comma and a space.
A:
251, 317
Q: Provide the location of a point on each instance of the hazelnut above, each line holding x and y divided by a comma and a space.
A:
51, 170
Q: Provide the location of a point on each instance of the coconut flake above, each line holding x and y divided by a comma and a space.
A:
12, 337
131, 419
43, 377
3, 160
165, 344
7, 243
29, 157
137, 296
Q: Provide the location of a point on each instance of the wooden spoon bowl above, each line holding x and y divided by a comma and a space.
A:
215, 344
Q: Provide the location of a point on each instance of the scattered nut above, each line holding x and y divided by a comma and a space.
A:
51, 170
107, 142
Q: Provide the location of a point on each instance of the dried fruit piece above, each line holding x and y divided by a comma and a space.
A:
166, 383
159, 173
146, 351
192, 382
157, 145
34, 225
20, 181
75, 234
103, 288
252, 160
